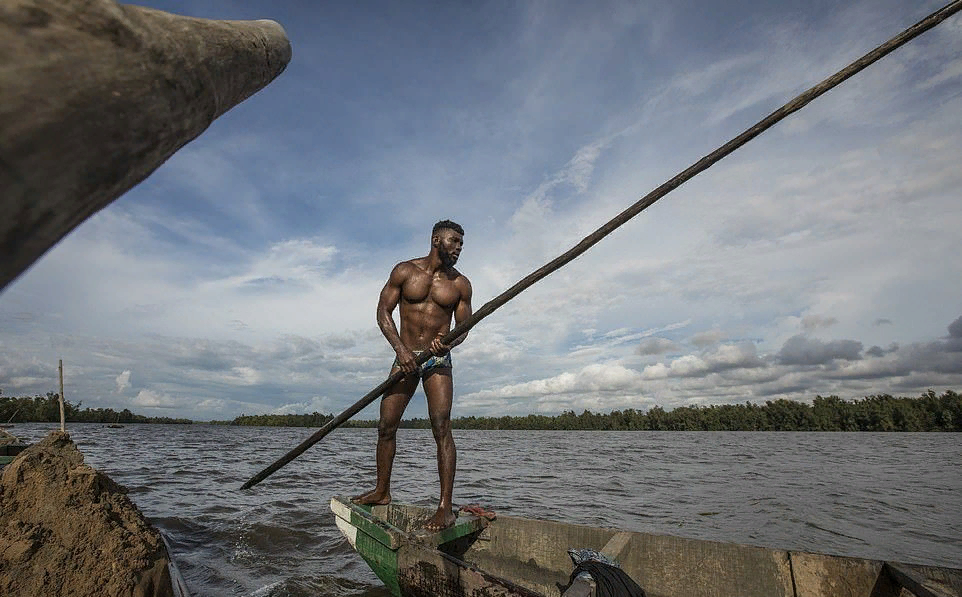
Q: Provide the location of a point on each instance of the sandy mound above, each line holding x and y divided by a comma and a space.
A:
66, 529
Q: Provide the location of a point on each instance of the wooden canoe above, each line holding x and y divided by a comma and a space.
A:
520, 557
10, 446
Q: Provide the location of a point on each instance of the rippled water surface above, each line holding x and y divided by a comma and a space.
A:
884, 496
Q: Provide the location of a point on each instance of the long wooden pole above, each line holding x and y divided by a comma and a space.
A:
63, 418
701, 165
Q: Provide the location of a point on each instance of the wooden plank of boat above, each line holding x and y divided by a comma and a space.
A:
925, 581
519, 557
178, 586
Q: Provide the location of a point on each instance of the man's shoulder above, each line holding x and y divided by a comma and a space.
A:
460, 278
410, 263
407, 268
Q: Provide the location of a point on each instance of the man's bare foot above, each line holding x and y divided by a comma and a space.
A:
441, 520
373, 498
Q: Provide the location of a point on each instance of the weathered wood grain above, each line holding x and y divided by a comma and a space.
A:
95, 95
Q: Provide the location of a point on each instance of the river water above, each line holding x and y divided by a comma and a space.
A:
895, 496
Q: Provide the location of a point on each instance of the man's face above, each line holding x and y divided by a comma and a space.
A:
449, 246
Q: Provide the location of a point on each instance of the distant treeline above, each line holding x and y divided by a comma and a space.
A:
46, 409
929, 412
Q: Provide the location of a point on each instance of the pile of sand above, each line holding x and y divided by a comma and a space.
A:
67, 529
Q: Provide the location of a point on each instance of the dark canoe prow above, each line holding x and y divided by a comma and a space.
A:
520, 557
95, 95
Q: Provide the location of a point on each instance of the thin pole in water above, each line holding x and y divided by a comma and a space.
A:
63, 419
701, 165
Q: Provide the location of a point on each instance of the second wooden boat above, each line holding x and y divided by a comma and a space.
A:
10, 446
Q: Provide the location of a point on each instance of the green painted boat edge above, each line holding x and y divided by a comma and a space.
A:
366, 521
378, 541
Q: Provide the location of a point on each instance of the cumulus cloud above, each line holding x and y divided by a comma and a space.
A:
737, 371
123, 381
955, 328
152, 399
918, 365
592, 378
656, 346
727, 356
803, 350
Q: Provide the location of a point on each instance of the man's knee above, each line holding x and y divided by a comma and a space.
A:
441, 425
387, 430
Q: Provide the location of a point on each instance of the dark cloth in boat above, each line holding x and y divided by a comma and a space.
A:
610, 581
584, 554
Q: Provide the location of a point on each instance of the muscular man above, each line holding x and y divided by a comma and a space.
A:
429, 291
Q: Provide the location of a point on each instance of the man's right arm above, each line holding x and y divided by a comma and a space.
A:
387, 302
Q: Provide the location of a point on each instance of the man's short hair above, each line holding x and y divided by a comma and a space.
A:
449, 225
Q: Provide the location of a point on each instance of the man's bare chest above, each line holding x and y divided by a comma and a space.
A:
438, 289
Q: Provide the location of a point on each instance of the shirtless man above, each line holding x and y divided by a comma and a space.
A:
429, 291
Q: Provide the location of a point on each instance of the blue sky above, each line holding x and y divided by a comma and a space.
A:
822, 258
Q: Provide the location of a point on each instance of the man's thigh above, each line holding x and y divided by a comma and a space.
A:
396, 398
439, 390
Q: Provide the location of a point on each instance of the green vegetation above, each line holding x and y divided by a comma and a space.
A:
929, 412
46, 409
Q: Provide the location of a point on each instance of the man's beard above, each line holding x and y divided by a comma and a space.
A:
447, 259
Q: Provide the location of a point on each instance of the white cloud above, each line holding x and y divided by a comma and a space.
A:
590, 379
123, 381
151, 399
656, 371
317, 404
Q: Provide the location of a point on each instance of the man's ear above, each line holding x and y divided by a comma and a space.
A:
436, 240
